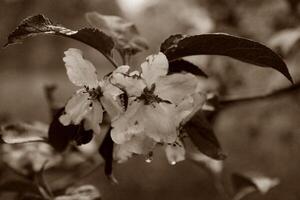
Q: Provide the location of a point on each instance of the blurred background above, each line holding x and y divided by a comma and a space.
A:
261, 136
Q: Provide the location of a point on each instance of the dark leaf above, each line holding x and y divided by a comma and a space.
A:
181, 65
60, 136
245, 50
124, 33
19, 133
38, 25
202, 135
171, 42
106, 151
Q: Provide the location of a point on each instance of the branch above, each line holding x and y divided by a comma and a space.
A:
229, 101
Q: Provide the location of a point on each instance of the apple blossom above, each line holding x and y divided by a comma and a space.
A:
158, 103
88, 102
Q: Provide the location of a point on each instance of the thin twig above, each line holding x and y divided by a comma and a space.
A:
229, 100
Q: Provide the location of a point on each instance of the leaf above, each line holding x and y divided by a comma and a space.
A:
243, 185
39, 25
202, 135
106, 151
125, 34
181, 65
178, 46
86, 192
60, 136
19, 133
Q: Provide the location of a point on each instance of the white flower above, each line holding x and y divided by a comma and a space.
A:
88, 102
158, 103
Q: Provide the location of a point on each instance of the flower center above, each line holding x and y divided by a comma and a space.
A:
149, 97
94, 93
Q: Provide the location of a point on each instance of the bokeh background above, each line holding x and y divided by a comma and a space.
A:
261, 136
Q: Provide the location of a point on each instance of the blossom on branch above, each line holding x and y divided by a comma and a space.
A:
95, 97
157, 105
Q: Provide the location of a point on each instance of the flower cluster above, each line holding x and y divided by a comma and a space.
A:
156, 107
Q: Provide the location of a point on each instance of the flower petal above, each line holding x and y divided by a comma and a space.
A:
176, 87
81, 72
189, 106
122, 69
94, 117
154, 67
159, 122
175, 153
112, 107
133, 85
76, 109
110, 99
138, 144
128, 124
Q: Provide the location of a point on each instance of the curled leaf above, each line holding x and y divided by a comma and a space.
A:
41, 25
178, 46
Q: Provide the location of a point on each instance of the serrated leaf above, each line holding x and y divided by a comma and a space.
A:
202, 135
60, 136
86, 192
178, 46
244, 185
19, 133
178, 66
106, 151
124, 33
41, 25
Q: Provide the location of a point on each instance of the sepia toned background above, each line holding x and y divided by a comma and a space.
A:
261, 136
